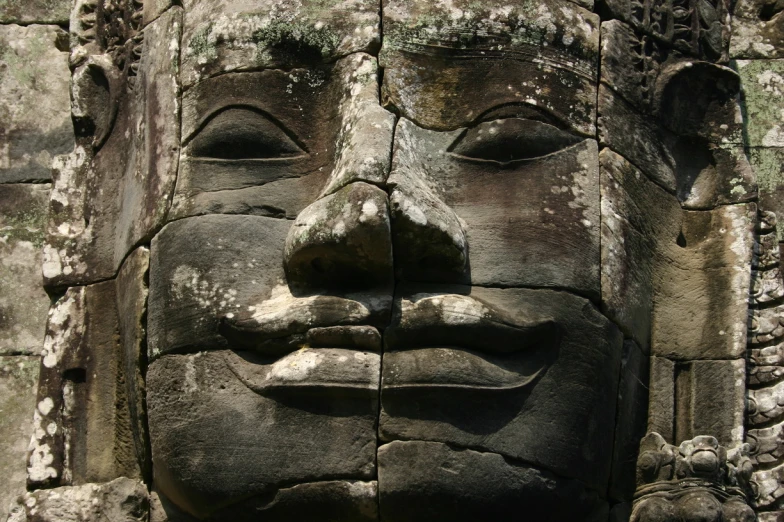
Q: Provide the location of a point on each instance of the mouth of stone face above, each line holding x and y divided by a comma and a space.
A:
434, 342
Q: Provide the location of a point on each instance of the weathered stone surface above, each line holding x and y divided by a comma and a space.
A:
763, 88
319, 431
661, 403
152, 9
420, 481
84, 429
224, 171
131, 290
341, 242
697, 480
702, 280
122, 499
536, 343
633, 400
222, 36
23, 302
768, 164
494, 51
35, 12
638, 217
34, 113
18, 384
328, 501
710, 398
757, 30
521, 230
700, 172
675, 28
105, 202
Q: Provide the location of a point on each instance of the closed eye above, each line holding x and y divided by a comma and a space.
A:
511, 139
238, 133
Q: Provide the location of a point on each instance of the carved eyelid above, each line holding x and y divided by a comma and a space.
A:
243, 132
509, 140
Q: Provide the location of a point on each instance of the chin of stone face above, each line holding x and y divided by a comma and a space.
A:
408, 261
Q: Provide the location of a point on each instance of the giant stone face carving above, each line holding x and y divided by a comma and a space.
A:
425, 262
467, 265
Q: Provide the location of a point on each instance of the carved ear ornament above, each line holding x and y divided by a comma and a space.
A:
95, 93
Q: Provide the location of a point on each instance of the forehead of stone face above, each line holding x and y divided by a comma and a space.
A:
236, 35
448, 62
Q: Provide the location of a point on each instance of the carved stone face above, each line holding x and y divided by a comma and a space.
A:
390, 301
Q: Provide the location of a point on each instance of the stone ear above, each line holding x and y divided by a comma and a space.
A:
95, 90
692, 97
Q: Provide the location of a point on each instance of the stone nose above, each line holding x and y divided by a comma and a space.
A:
342, 242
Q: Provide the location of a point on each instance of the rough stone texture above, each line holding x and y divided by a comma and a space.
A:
638, 219
35, 11
633, 401
23, 302
328, 501
542, 343
352, 141
757, 30
121, 500
768, 163
710, 398
661, 405
529, 221
113, 191
763, 88
18, 383
35, 123
303, 430
702, 286
561, 34
234, 35
90, 412
422, 481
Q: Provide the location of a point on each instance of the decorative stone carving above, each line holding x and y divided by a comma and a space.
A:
418, 261
698, 480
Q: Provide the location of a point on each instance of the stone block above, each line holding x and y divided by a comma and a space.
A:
762, 83
532, 222
122, 499
637, 216
710, 400
23, 301
424, 481
35, 12
35, 107
18, 385
702, 282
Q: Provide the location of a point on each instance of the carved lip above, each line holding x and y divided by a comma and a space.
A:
452, 342
309, 370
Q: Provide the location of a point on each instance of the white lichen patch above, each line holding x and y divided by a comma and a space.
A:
65, 326
296, 366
